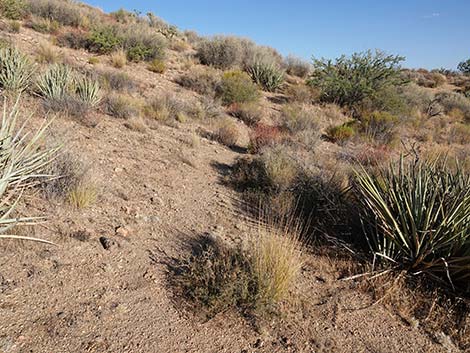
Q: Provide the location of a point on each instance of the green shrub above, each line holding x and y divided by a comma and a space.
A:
12, 9
267, 76
143, 44
349, 81
105, 39
16, 70
417, 215
341, 133
14, 26
237, 87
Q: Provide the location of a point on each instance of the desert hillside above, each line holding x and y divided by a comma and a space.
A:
161, 191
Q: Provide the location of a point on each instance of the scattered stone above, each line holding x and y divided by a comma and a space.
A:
107, 243
122, 231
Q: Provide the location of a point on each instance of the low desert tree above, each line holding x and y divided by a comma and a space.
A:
464, 67
349, 81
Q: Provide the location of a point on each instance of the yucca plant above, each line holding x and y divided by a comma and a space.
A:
16, 70
88, 90
268, 76
417, 215
21, 162
55, 83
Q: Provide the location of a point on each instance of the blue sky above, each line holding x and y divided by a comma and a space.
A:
429, 33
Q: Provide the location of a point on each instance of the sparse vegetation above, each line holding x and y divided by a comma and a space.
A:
201, 80
296, 66
121, 106
47, 54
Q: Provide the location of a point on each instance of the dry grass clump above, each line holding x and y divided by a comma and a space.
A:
69, 171
460, 134
122, 106
158, 66
250, 113
225, 52
215, 277
116, 80
227, 133
43, 25
118, 59
136, 124
201, 80
297, 67
297, 117
341, 133
301, 93
167, 107
46, 53
83, 195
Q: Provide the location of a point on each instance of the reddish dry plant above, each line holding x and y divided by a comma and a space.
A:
264, 135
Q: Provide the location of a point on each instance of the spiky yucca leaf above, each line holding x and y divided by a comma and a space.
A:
268, 76
16, 70
21, 162
55, 83
418, 215
88, 90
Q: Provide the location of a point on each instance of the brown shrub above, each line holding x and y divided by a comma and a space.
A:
227, 133
264, 135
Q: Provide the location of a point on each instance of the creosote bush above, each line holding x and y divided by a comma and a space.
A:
416, 216
350, 81
237, 87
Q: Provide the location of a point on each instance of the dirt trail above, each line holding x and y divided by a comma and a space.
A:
155, 189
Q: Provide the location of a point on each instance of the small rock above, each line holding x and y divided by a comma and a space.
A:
122, 231
107, 243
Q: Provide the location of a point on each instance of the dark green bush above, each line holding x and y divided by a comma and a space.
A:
12, 9
464, 67
348, 81
105, 39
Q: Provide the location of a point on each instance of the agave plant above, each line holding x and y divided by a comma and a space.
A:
21, 162
417, 215
55, 83
88, 90
16, 70
268, 76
